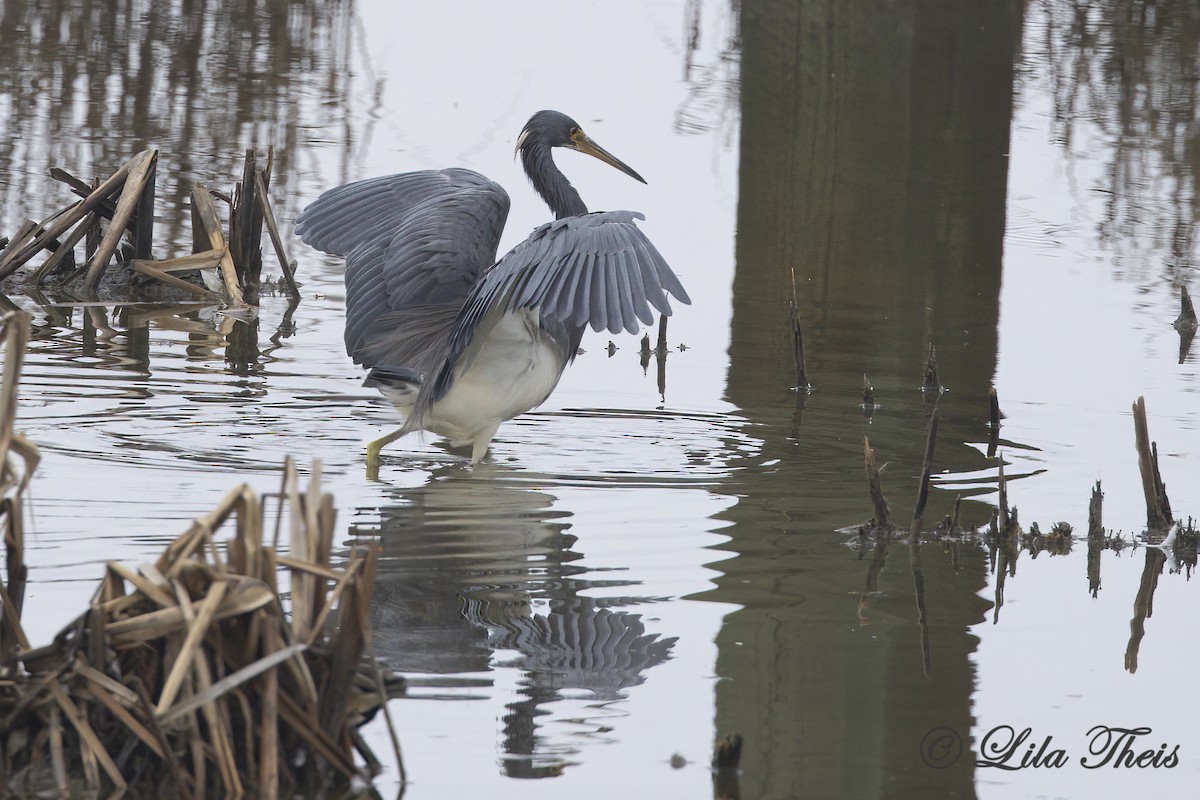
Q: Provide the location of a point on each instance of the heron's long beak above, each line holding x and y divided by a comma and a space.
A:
584, 144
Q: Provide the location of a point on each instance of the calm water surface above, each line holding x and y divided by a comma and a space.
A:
649, 561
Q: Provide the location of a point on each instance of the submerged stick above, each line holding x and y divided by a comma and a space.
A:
918, 576
802, 382
993, 422
878, 501
914, 533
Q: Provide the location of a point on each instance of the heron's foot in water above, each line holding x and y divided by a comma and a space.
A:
373, 449
482, 442
478, 444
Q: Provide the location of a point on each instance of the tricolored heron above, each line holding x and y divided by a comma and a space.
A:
458, 341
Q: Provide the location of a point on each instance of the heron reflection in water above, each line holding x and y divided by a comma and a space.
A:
458, 341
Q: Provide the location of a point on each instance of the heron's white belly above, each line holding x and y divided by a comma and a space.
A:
515, 370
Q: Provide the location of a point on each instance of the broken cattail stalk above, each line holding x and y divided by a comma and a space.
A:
13, 246
207, 235
802, 383
932, 384
143, 214
727, 756
914, 533
878, 501
1095, 538
160, 271
1004, 518
73, 215
63, 251
1187, 314
993, 422
249, 217
868, 402
728, 752
1095, 513
1158, 508
131, 194
106, 208
268, 215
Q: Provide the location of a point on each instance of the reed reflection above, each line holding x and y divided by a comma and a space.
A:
1125, 71
479, 573
86, 83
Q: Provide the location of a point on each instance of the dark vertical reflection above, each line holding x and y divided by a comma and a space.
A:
874, 146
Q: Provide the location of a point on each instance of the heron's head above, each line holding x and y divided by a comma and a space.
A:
547, 129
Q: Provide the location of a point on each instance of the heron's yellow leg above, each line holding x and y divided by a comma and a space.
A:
374, 447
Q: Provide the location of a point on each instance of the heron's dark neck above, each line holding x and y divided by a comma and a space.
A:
550, 183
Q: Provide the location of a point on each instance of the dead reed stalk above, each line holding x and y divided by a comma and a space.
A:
1158, 508
926, 467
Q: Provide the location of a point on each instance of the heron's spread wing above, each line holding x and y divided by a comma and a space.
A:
415, 239
596, 269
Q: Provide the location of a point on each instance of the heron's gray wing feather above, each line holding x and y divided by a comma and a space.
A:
575, 272
415, 239
415, 337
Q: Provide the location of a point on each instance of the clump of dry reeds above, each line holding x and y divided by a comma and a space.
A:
230, 261
191, 675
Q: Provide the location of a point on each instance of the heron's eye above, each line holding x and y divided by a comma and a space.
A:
573, 133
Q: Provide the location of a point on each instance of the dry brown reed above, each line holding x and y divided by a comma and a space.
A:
193, 675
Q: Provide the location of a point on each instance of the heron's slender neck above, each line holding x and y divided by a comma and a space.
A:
550, 183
